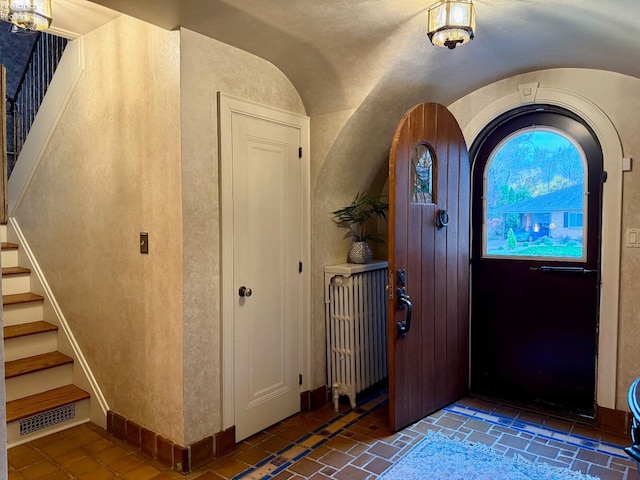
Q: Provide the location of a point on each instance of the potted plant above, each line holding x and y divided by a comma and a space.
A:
355, 217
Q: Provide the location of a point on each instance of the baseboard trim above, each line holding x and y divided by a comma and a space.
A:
312, 400
183, 459
614, 421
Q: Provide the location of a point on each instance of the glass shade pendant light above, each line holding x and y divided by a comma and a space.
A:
30, 14
451, 23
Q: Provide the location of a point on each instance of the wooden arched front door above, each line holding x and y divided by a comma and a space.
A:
429, 188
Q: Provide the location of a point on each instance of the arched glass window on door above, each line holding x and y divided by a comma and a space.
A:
423, 161
534, 194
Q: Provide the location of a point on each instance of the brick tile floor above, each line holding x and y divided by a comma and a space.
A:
346, 445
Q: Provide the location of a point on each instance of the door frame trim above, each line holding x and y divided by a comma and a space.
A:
227, 107
611, 216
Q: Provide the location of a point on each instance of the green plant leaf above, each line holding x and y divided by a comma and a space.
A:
355, 216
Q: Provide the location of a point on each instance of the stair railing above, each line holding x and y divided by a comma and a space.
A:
23, 106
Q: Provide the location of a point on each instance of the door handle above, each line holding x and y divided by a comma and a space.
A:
245, 291
566, 270
404, 304
442, 219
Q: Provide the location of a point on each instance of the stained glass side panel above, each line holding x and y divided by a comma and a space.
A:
423, 164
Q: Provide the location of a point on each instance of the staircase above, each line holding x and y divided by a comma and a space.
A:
41, 397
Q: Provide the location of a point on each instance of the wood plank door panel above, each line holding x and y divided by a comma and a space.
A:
429, 366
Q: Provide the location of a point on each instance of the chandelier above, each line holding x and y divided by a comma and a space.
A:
26, 14
451, 23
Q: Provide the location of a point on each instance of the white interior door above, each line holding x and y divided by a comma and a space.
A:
267, 250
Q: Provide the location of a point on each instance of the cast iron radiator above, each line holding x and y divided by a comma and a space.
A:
356, 323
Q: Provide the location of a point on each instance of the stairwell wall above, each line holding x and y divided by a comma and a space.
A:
135, 150
111, 170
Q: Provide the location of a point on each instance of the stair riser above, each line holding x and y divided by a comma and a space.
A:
37, 382
3, 233
16, 284
30, 345
13, 428
22, 313
9, 258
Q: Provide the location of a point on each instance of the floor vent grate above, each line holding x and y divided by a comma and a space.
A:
47, 419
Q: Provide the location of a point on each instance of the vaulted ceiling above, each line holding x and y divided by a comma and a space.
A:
336, 52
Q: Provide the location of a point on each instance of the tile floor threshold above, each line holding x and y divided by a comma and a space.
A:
573, 439
300, 448
351, 444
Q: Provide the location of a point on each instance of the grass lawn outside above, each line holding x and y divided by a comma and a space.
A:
529, 250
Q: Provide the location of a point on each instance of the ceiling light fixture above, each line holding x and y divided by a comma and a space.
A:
451, 22
27, 14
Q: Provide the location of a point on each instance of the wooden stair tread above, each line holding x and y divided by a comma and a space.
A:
7, 271
41, 402
17, 298
36, 363
9, 246
31, 328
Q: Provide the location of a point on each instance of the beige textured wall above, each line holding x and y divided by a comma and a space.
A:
618, 96
111, 171
350, 151
207, 67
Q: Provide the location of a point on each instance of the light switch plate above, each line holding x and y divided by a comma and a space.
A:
144, 242
633, 238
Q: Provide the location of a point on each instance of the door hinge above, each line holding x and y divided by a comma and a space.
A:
604, 176
299, 267
300, 152
299, 379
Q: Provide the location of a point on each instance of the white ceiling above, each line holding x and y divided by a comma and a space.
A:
336, 52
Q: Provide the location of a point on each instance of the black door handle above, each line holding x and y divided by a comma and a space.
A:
404, 303
567, 270
442, 219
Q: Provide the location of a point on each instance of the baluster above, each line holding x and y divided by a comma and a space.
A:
37, 75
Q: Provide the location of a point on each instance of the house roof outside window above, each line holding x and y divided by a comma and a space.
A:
566, 199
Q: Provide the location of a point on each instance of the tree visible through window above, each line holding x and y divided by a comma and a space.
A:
534, 196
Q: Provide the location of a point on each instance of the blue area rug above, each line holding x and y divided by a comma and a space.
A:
439, 457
